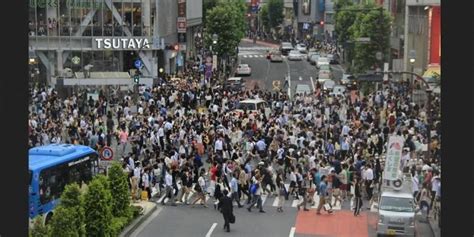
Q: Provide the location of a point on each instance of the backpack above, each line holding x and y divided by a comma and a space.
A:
253, 188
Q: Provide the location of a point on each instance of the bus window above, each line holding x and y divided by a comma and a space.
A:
54, 180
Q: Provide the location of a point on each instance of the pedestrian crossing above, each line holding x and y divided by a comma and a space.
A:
253, 56
267, 200
255, 48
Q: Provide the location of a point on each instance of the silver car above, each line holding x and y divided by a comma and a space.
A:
295, 55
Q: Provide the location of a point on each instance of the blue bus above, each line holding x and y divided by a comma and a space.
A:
51, 168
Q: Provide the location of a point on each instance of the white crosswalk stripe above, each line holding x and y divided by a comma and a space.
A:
255, 48
275, 202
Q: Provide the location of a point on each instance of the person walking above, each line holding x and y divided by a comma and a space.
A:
256, 194
226, 208
303, 191
235, 190
168, 189
200, 188
282, 192
323, 195
424, 200
357, 196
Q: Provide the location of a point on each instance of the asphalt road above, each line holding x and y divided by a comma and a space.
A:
271, 75
185, 220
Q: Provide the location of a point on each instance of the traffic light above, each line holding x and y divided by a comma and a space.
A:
321, 23
136, 79
176, 47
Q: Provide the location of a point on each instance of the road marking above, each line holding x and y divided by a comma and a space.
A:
211, 230
295, 203
250, 56
292, 232
146, 222
275, 202
244, 56
264, 198
312, 84
276, 85
300, 78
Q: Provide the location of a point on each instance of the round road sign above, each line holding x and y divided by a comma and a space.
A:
106, 153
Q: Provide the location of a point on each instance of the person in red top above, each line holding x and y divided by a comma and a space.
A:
213, 174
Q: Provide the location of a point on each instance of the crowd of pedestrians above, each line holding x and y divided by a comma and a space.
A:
184, 139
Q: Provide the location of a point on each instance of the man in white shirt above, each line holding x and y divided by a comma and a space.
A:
219, 146
369, 179
168, 189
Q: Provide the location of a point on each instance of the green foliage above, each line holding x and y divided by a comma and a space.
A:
120, 191
136, 211
39, 229
275, 12
264, 17
98, 208
69, 218
370, 24
206, 5
118, 224
227, 20
344, 21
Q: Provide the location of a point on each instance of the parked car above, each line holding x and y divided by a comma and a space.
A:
324, 67
244, 69
295, 55
347, 79
234, 83
254, 106
302, 48
322, 61
285, 48
303, 89
312, 58
276, 57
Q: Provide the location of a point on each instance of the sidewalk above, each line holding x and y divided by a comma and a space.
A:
148, 209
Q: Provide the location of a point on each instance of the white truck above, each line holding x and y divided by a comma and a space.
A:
396, 208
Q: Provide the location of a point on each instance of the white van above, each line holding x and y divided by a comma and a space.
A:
253, 106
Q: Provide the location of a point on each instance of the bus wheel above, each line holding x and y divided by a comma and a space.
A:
48, 218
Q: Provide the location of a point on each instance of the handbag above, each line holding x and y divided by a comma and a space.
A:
144, 195
232, 218
327, 207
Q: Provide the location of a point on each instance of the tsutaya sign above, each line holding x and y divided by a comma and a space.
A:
121, 43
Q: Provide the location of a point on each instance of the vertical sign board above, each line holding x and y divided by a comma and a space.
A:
214, 62
181, 16
393, 157
181, 24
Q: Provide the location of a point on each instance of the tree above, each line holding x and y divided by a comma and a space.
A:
345, 17
275, 12
374, 24
206, 5
98, 208
68, 218
264, 17
120, 191
227, 21
39, 229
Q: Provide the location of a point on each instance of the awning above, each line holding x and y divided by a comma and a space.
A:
431, 70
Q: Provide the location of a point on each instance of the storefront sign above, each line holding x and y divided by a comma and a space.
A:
393, 157
70, 4
120, 43
181, 24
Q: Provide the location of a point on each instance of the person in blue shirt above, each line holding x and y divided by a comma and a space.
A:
322, 195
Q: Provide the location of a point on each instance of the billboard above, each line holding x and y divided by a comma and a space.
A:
306, 7
393, 157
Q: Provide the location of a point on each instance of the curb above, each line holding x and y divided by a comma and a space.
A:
136, 223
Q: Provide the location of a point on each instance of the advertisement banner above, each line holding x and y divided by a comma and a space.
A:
306, 7
393, 157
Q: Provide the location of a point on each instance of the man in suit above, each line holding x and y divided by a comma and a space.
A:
225, 206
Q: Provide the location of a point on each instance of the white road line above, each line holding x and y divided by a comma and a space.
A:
146, 222
161, 199
264, 198
295, 203
312, 83
250, 56
211, 230
275, 202
292, 232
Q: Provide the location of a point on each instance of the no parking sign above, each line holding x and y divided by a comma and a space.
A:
106, 153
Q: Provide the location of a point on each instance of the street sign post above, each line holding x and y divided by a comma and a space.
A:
106, 153
393, 157
138, 64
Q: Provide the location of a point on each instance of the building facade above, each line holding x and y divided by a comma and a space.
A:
92, 39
